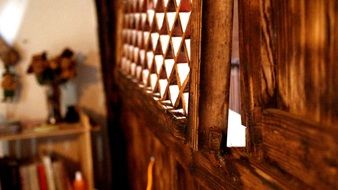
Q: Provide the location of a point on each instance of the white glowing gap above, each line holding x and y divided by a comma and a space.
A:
183, 70
145, 75
171, 16
178, 2
146, 37
184, 17
151, 14
133, 69
154, 39
176, 41
142, 56
150, 57
136, 52
174, 91
164, 39
169, 64
163, 85
159, 63
166, 3
153, 80
143, 18
160, 19
187, 45
236, 131
130, 52
155, 3
186, 101
138, 72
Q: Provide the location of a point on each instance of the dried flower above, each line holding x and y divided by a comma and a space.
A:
57, 70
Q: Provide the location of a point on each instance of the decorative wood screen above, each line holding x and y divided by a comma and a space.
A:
156, 49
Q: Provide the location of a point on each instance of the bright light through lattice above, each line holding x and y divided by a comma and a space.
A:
156, 50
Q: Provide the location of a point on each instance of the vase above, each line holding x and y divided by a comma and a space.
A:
54, 104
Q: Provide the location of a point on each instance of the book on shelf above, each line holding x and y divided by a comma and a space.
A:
9, 174
40, 174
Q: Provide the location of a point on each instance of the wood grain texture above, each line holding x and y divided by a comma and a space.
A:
195, 65
286, 60
215, 71
288, 76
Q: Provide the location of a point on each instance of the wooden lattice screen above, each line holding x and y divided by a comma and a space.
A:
156, 49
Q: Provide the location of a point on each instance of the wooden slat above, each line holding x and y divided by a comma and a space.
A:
300, 148
214, 71
196, 25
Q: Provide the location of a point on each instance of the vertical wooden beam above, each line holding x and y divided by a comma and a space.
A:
196, 25
215, 71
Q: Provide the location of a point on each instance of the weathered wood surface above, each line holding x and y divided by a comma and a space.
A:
215, 72
287, 50
288, 53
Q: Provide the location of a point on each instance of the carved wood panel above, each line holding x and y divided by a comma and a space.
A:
156, 49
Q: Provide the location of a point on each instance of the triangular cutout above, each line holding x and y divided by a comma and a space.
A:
178, 2
183, 71
136, 53
171, 17
176, 42
138, 72
169, 64
143, 19
142, 56
166, 3
164, 39
155, 2
163, 83
137, 19
150, 14
146, 38
187, 45
150, 57
133, 69
184, 17
154, 39
145, 75
173, 91
160, 20
159, 63
139, 38
186, 102
153, 80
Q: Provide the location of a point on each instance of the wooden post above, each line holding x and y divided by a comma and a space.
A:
214, 71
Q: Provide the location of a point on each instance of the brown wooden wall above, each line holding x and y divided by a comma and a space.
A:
289, 72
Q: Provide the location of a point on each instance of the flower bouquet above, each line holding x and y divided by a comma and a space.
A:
52, 73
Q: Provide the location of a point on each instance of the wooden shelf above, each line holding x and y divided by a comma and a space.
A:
76, 147
60, 130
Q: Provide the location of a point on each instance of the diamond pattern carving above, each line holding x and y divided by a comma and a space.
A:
156, 49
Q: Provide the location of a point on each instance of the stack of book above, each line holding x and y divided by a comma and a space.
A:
44, 174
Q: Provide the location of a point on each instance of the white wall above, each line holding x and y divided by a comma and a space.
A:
52, 25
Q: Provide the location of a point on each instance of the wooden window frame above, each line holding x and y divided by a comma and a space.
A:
209, 78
